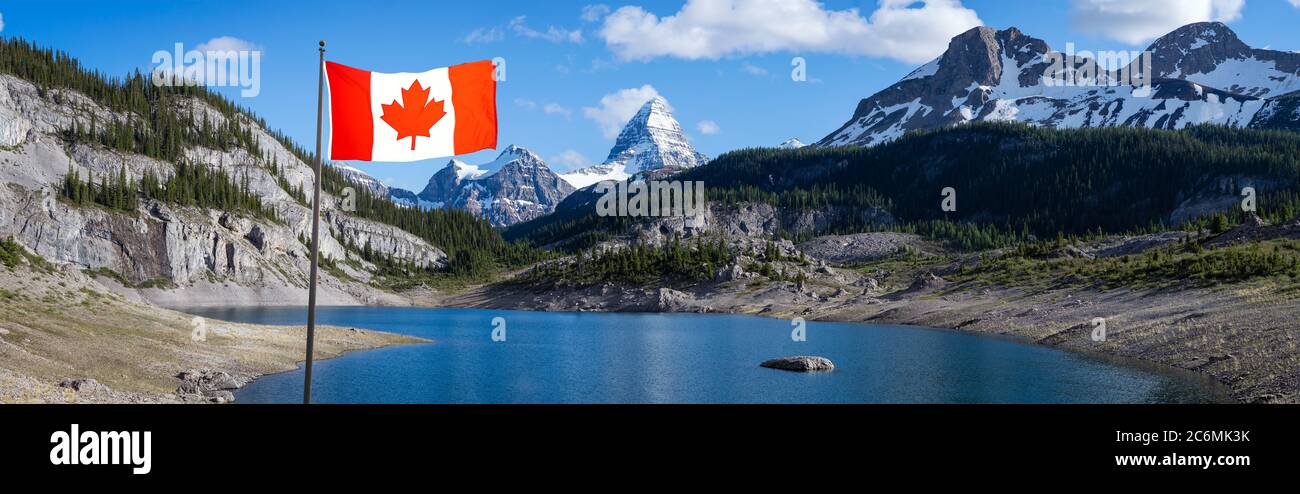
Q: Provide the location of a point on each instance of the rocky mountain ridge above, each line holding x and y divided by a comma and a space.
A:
520, 187
1200, 74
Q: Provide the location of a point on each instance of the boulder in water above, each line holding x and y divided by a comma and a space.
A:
801, 363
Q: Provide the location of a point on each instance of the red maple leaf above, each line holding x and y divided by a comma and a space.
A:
415, 115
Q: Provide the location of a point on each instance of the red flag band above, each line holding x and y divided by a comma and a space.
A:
411, 116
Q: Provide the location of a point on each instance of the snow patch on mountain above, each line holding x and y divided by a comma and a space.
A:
924, 71
1250, 77
466, 171
791, 143
582, 178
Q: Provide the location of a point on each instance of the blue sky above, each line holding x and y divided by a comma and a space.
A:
563, 57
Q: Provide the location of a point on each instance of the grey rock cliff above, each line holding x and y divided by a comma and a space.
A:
179, 255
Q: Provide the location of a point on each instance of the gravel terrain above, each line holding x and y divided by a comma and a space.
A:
64, 338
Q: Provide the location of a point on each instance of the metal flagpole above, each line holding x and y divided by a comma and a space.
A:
315, 231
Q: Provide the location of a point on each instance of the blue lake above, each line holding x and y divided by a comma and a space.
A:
551, 357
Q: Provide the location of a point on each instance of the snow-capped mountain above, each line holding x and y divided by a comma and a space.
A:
791, 143
652, 142
1210, 54
361, 177
521, 188
1201, 73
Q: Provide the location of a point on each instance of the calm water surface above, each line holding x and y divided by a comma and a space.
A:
551, 357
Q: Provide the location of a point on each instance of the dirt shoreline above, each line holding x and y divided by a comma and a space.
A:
64, 338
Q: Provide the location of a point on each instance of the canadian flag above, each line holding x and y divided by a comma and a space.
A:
411, 116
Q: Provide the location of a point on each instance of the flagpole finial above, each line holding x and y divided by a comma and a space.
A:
322, 44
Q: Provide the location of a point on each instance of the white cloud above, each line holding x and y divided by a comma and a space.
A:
593, 13
708, 127
484, 35
548, 108
552, 33
226, 43
1295, 3
598, 65
557, 109
752, 69
618, 107
913, 31
1140, 21
571, 159
2, 21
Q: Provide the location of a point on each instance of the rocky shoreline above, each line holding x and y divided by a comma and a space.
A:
1241, 337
